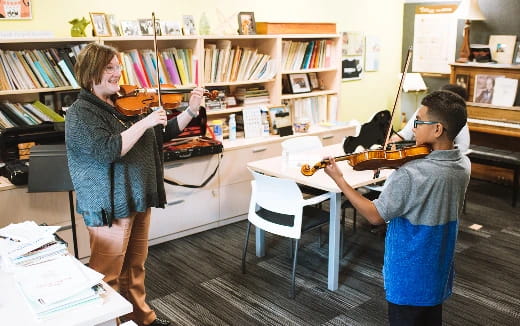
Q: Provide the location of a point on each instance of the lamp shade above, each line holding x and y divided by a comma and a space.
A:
469, 10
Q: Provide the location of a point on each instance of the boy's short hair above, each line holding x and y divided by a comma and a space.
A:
449, 109
457, 89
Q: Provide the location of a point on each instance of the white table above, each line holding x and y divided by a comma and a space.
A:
278, 167
14, 310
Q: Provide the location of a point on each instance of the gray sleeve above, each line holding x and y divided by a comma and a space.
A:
392, 201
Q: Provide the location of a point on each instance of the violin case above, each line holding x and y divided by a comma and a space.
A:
192, 141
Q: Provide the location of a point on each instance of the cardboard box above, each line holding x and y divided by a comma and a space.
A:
295, 28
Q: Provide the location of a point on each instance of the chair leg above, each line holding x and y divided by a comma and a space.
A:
245, 248
293, 276
515, 185
354, 221
342, 235
319, 237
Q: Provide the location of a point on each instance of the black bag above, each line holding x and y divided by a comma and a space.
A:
17, 171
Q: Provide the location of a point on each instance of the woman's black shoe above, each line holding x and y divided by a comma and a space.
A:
160, 322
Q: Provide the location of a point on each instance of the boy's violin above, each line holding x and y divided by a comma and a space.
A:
380, 158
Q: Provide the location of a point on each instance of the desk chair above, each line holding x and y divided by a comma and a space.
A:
277, 206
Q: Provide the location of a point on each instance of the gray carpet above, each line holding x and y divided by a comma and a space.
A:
197, 280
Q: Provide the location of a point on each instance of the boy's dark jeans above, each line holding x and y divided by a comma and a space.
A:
399, 315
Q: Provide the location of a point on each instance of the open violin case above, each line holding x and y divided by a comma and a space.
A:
192, 141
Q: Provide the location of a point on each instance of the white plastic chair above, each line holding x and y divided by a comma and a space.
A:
277, 206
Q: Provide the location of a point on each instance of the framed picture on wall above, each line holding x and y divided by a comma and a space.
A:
15, 9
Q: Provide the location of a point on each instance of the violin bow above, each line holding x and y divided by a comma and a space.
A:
403, 76
158, 78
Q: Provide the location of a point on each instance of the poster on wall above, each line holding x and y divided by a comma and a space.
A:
435, 37
352, 50
15, 9
373, 48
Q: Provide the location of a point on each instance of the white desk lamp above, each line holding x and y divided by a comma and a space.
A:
468, 10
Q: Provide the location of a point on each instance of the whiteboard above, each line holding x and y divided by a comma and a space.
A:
435, 38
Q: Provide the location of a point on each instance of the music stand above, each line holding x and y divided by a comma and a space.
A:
49, 172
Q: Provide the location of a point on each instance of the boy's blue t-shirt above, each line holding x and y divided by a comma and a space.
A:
421, 203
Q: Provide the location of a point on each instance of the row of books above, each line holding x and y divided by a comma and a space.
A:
49, 279
254, 95
298, 55
140, 67
26, 114
224, 63
38, 68
315, 109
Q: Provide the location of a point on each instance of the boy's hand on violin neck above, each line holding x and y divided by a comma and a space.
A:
196, 99
157, 117
333, 170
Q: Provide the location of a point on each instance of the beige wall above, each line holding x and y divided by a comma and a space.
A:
359, 99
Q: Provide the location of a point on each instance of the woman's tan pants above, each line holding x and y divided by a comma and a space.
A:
119, 252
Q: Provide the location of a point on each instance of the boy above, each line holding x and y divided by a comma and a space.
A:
421, 204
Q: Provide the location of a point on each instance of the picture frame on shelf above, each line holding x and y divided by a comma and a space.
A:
463, 81
502, 48
171, 28
517, 53
130, 28
299, 83
146, 26
65, 99
279, 119
484, 88
313, 80
188, 25
100, 24
115, 30
246, 23
49, 99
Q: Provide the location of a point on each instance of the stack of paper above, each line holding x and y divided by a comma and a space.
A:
58, 285
49, 278
28, 243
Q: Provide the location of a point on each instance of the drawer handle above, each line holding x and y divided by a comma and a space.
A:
327, 137
177, 202
259, 149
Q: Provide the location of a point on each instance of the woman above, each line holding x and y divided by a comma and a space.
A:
116, 166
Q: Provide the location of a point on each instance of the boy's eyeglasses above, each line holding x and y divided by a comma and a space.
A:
417, 122
111, 69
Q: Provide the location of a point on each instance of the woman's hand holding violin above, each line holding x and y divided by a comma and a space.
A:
157, 117
196, 99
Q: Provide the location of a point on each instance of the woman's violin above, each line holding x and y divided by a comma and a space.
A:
380, 158
132, 100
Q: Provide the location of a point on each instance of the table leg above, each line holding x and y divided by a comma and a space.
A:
260, 242
334, 230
